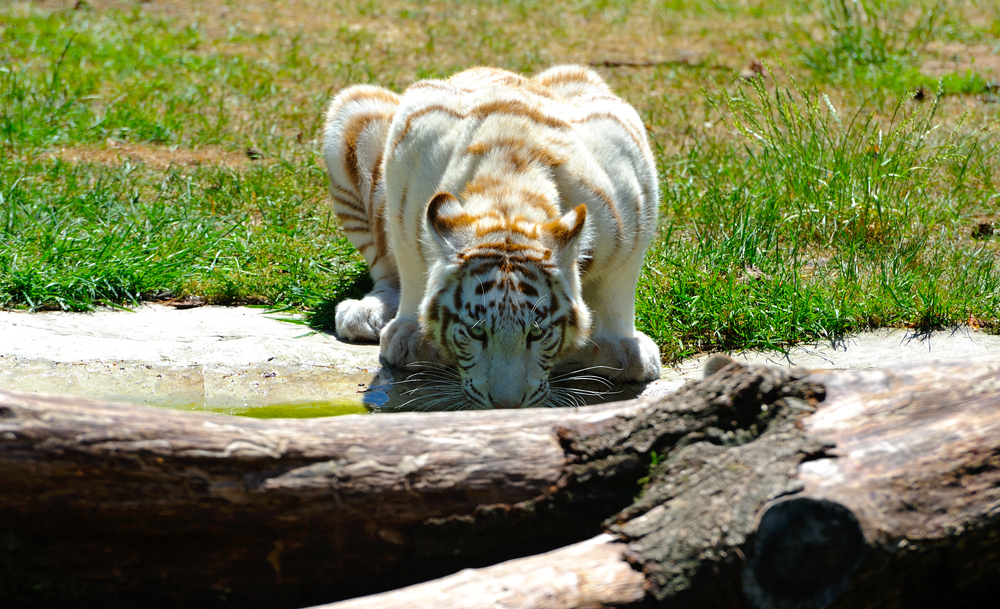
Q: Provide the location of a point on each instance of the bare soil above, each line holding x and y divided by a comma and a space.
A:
115, 153
953, 57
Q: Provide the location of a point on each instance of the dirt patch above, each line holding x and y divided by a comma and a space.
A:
617, 34
954, 58
218, 16
658, 59
115, 153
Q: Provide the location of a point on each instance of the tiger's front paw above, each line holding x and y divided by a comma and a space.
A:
633, 359
402, 344
363, 320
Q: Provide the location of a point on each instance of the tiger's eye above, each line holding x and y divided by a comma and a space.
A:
535, 333
477, 331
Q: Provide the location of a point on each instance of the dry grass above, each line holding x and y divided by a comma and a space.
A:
114, 153
394, 43
954, 57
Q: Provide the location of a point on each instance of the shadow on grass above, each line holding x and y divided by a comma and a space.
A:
322, 315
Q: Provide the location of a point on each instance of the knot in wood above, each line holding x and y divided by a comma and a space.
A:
738, 392
802, 555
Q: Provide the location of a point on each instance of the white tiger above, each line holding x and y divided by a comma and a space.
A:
504, 221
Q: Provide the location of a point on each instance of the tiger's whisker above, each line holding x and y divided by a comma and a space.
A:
572, 372
449, 392
433, 367
561, 400
435, 402
419, 377
578, 391
405, 404
416, 390
585, 378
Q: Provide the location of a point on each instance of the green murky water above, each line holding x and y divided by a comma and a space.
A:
289, 410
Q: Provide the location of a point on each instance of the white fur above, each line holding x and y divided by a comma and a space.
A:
601, 159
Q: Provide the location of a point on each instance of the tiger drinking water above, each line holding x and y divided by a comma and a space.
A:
504, 221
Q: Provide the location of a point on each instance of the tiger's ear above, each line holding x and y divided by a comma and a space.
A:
444, 217
567, 231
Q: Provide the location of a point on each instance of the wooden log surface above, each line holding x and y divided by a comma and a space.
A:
892, 480
291, 512
886, 494
249, 507
592, 574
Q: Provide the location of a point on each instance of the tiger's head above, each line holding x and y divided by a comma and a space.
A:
504, 300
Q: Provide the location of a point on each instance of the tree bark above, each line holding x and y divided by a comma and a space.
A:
767, 495
592, 574
885, 495
270, 513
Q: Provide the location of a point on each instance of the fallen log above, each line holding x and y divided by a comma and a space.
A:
592, 574
181, 506
886, 495
270, 513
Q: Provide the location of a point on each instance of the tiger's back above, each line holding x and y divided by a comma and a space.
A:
516, 212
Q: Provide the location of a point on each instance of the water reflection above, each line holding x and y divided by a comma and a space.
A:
397, 390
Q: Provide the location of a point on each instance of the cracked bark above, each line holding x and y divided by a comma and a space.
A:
768, 496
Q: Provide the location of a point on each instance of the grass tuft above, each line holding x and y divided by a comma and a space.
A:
818, 224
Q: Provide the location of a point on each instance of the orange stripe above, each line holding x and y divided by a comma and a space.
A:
355, 229
377, 93
350, 194
440, 85
517, 108
380, 236
580, 75
483, 184
417, 114
345, 216
513, 143
489, 185
505, 260
352, 131
508, 227
636, 139
509, 246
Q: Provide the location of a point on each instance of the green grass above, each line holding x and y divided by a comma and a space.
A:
876, 44
818, 200
825, 224
76, 235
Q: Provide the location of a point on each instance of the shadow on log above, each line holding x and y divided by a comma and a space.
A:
776, 489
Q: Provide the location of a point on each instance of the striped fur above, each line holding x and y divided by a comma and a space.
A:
504, 220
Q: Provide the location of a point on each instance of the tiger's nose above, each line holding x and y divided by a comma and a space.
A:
506, 403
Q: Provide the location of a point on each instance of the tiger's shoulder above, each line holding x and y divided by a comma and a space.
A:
565, 97
561, 132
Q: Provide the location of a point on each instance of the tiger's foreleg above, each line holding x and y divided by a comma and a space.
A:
615, 349
357, 124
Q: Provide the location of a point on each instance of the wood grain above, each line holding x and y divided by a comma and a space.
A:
911, 454
281, 510
592, 574
776, 488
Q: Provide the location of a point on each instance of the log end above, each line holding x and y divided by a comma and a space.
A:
802, 555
